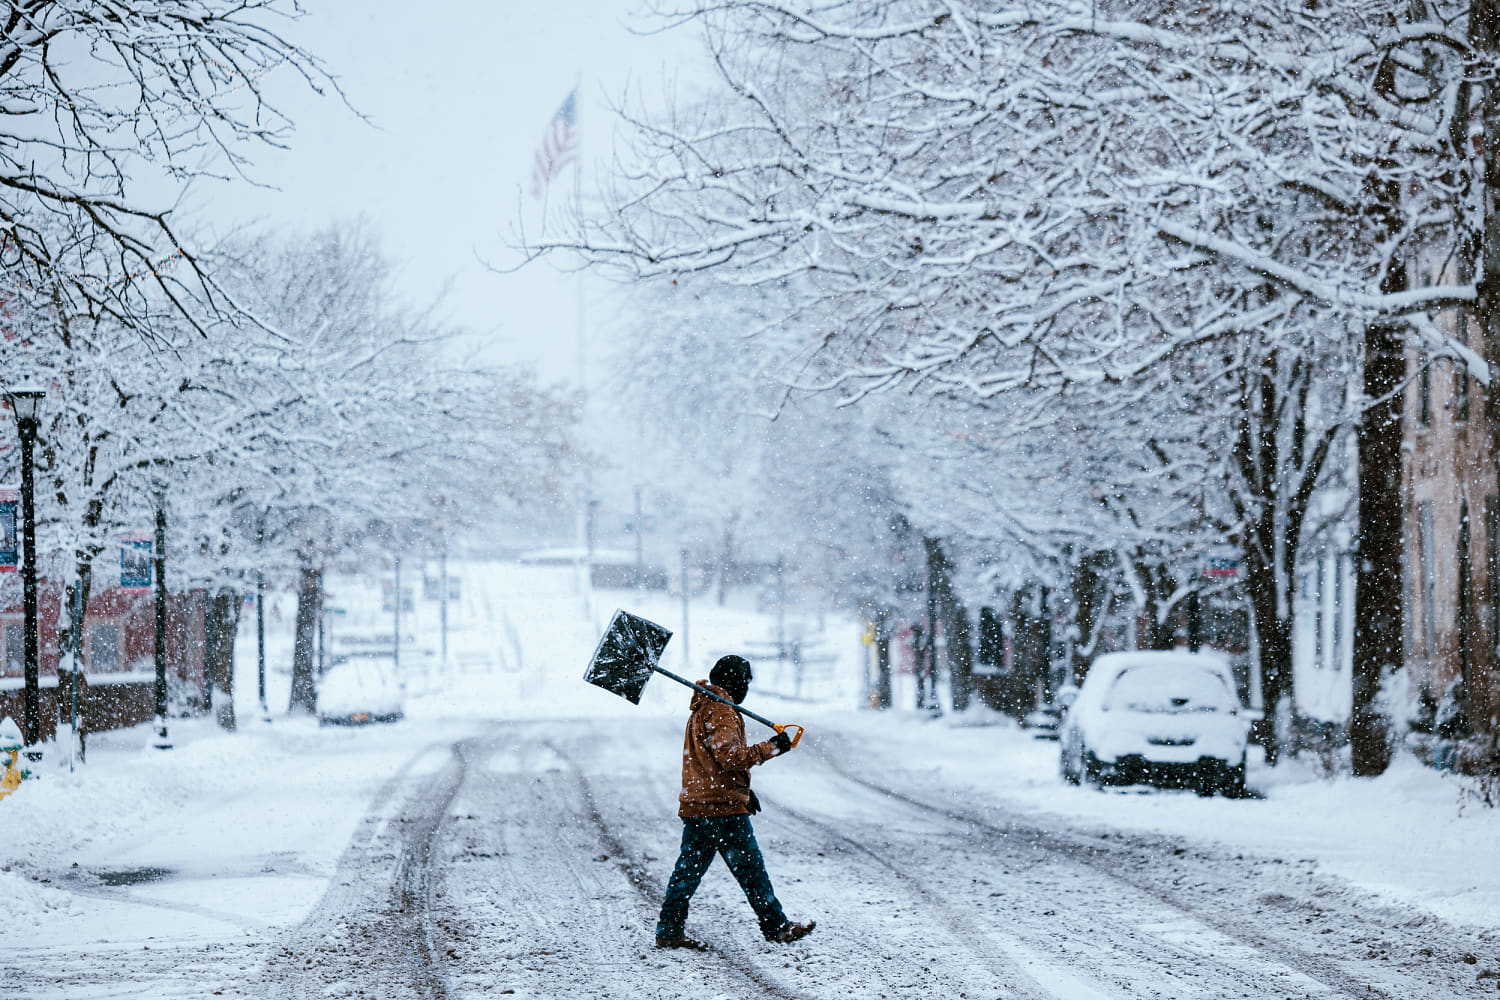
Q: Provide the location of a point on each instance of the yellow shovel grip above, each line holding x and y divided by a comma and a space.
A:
790, 725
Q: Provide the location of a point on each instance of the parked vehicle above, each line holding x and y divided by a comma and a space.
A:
360, 690
1169, 718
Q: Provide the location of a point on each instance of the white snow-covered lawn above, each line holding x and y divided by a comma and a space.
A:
230, 836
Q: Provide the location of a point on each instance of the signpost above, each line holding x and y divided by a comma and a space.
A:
136, 558
10, 549
1222, 568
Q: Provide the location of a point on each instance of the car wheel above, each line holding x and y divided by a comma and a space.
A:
1207, 781
1233, 781
1093, 773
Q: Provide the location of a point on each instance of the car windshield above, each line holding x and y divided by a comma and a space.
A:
1163, 687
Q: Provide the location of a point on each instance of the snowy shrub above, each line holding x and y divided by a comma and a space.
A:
1479, 757
184, 697
1443, 736
1324, 742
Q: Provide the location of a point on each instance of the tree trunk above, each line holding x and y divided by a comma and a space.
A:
883, 659
1036, 647
309, 594
78, 590
1257, 457
1378, 585
956, 629
220, 623
1273, 632
70, 643
1088, 605
1019, 689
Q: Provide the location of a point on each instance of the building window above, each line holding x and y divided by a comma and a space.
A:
1465, 595
1336, 661
104, 649
1460, 393
1424, 395
1429, 597
15, 651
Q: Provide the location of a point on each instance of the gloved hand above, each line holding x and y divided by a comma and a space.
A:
754, 803
782, 742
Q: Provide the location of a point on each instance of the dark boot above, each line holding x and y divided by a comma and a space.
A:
681, 941
791, 932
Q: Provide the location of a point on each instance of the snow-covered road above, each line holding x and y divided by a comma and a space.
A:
512, 837
528, 858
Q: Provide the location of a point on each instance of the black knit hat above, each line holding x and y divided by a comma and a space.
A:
731, 672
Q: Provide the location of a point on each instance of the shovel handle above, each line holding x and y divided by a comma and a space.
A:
779, 727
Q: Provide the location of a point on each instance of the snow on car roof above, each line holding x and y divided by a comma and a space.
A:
1105, 668
1166, 656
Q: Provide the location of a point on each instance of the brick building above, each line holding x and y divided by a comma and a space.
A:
1452, 545
119, 630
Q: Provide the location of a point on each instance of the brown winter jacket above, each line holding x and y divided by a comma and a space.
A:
715, 760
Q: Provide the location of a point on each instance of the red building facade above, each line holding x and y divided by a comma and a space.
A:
119, 656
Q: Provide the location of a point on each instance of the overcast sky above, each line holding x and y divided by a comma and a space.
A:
459, 94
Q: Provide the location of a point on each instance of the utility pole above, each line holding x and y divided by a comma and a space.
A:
686, 655
443, 611
932, 630
396, 649
640, 547
260, 617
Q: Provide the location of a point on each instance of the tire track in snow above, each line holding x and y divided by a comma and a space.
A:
1011, 978
1121, 861
1103, 952
865, 955
371, 931
524, 875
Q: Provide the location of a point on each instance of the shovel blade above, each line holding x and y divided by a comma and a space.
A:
626, 655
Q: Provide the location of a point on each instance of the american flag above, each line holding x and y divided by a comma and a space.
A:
559, 146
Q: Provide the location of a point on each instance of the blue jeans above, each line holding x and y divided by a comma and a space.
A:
733, 838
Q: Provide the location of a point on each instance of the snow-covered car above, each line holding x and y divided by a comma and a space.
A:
359, 690
1170, 718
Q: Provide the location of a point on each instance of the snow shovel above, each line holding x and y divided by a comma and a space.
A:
627, 655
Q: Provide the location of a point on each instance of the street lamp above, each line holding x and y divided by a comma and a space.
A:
23, 402
159, 555
260, 616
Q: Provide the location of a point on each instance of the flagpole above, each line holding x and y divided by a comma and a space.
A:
585, 528
578, 214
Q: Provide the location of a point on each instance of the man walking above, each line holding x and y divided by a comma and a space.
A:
716, 804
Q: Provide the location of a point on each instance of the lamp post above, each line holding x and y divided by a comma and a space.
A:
159, 557
396, 649
443, 610
24, 401
260, 616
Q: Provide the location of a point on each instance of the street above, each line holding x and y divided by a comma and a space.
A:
513, 835
529, 859
1080, 429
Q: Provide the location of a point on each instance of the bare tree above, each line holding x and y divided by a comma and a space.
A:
964, 200
107, 112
